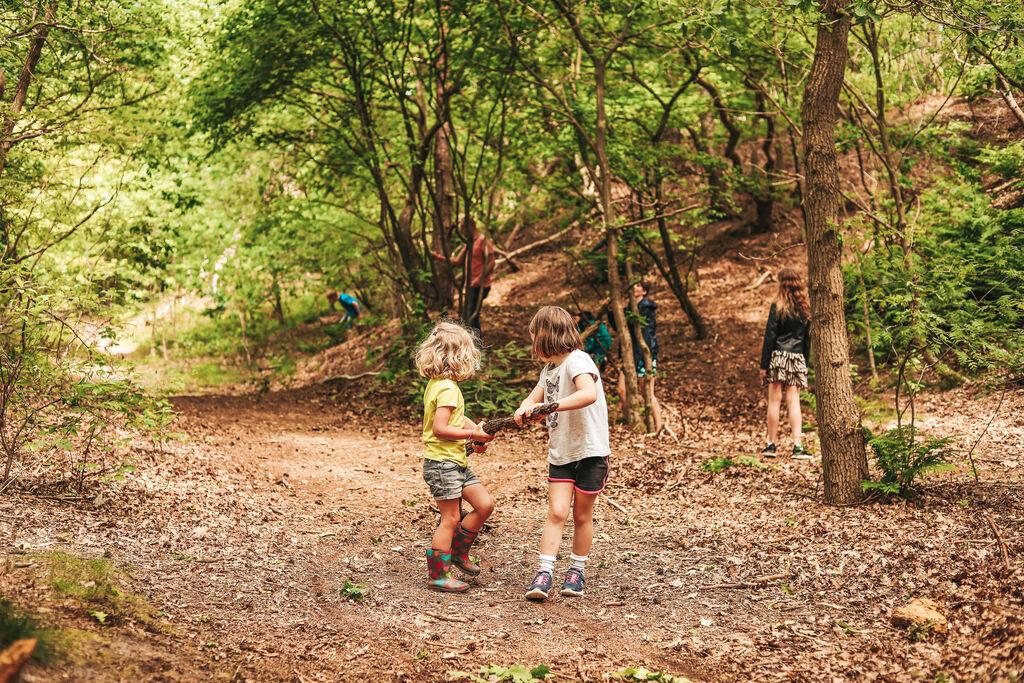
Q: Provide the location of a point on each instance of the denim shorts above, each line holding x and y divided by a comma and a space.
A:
446, 479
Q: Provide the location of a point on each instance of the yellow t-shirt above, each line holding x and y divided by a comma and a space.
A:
441, 393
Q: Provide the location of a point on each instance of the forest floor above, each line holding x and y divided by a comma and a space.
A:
237, 542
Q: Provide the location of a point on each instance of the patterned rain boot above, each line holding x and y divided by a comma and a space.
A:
461, 543
439, 576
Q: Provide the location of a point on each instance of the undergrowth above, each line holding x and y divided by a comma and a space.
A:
97, 583
903, 458
16, 624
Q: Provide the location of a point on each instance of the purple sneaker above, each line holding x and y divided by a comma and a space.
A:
573, 585
540, 587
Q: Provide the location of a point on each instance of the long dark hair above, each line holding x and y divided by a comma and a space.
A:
791, 300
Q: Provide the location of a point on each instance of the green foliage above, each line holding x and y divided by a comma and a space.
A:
97, 582
353, 591
517, 673
16, 623
58, 395
903, 457
640, 673
720, 464
919, 633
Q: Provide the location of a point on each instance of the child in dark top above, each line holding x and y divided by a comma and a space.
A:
648, 326
784, 355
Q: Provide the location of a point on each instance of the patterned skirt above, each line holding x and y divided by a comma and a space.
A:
788, 368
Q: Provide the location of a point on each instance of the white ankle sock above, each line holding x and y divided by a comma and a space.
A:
578, 562
547, 563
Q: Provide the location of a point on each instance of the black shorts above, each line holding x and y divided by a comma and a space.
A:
587, 476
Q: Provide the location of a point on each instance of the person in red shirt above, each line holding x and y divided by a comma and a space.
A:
481, 265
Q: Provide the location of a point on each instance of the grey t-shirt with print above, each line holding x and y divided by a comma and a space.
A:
574, 434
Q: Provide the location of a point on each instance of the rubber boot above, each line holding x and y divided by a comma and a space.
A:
439, 576
461, 543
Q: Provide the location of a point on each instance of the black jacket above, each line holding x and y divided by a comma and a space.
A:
648, 328
785, 334
648, 311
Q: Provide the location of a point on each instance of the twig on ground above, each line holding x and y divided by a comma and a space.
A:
445, 617
999, 537
970, 453
753, 583
779, 539
760, 280
615, 505
371, 373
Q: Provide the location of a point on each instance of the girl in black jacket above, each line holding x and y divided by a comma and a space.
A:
784, 355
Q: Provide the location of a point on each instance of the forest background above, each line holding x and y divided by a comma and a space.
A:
206, 171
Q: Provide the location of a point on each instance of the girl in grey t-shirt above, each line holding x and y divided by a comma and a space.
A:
577, 444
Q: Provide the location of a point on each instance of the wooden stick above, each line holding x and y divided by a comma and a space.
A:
445, 617
371, 373
753, 583
615, 505
502, 423
14, 657
533, 245
1002, 545
759, 281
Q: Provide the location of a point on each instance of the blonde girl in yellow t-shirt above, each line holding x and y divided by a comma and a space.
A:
449, 355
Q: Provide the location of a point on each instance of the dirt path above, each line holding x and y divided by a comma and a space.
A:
243, 536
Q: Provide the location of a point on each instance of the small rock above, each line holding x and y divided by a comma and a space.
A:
918, 612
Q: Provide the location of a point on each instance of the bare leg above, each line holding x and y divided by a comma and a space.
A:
483, 505
559, 500
774, 403
795, 418
583, 522
449, 520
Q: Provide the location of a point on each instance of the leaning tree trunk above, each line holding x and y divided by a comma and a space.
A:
844, 462
630, 410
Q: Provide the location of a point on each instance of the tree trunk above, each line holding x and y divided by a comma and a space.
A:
670, 272
648, 395
764, 199
630, 411
24, 80
844, 461
719, 201
444, 185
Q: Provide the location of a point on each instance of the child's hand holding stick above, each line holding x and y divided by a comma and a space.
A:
534, 414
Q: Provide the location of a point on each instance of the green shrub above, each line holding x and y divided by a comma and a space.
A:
16, 623
903, 457
721, 464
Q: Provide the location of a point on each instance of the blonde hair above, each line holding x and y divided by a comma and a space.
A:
448, 352
791, 301
554, 332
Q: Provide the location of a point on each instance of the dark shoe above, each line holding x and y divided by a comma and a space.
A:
800, 453
461, 543
540, 587
769, 451
439, 576
573, 585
